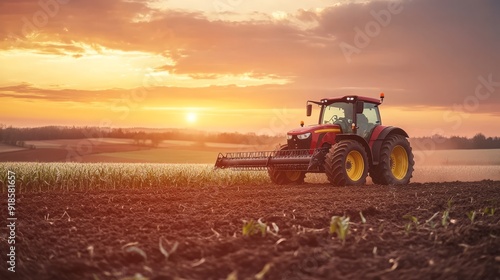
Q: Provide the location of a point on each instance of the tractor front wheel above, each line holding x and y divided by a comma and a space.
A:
346, 164
396, 162
282, 177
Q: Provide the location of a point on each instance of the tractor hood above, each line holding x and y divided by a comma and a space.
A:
319, 128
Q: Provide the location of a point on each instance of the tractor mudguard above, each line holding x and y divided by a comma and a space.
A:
377, 143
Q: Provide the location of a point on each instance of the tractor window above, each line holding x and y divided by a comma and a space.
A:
368, 120
371, 113
338, 113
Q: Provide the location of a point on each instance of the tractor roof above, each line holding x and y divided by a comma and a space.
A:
348, 99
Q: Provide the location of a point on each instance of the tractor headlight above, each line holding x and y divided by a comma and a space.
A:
304, 136
289, 137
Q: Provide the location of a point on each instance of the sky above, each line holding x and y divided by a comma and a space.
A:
249, 66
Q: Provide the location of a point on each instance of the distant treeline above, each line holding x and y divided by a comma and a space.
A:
437, 142
11, 135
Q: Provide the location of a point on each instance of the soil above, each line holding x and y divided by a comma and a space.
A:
124, 234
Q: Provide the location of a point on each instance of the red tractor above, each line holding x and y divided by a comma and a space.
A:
348, 143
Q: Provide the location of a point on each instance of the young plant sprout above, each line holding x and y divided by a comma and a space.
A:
471, 215
412, 221
490, 211
252, 227
340, 226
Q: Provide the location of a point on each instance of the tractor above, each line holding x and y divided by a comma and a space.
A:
348, 144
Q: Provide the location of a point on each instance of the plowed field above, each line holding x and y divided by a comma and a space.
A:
420, 231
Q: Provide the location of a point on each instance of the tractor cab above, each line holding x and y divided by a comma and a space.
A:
348, 115
354, 115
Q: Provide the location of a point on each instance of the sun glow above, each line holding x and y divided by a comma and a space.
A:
191, 117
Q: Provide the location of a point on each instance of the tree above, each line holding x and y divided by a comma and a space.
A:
155, 139
479, 141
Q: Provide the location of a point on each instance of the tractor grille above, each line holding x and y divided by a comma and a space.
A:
297, 144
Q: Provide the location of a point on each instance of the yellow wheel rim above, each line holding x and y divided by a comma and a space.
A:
293, 175
354, 165
399, 162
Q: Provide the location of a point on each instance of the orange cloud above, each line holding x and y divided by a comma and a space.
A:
429, 55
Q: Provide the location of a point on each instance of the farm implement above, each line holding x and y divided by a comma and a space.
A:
348, 144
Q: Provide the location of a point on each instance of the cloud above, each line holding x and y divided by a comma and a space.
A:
255, 97
435, 50
29, 92
432, 53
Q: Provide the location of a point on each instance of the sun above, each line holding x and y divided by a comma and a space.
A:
191, 117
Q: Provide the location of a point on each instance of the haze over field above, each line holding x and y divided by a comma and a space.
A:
248, 65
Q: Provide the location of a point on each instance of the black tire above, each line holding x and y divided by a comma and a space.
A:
339, 164
281, 177
393, 167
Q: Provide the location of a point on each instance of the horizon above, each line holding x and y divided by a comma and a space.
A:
249, 66
3, 126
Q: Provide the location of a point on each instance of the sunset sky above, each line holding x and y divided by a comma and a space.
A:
249, 66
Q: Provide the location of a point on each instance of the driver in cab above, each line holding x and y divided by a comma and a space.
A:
345, 121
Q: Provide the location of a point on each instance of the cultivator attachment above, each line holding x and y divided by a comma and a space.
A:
286, 160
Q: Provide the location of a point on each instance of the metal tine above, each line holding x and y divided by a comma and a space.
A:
266, 154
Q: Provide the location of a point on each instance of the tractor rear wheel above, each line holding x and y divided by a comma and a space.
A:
281, 177
346, 164
396, 162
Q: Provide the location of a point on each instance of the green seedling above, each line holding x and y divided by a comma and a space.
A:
262, 226
263, 272
340, 226
412, 221
445, 219
248, 228
408, 228
252, 227
490, 211
471, 215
